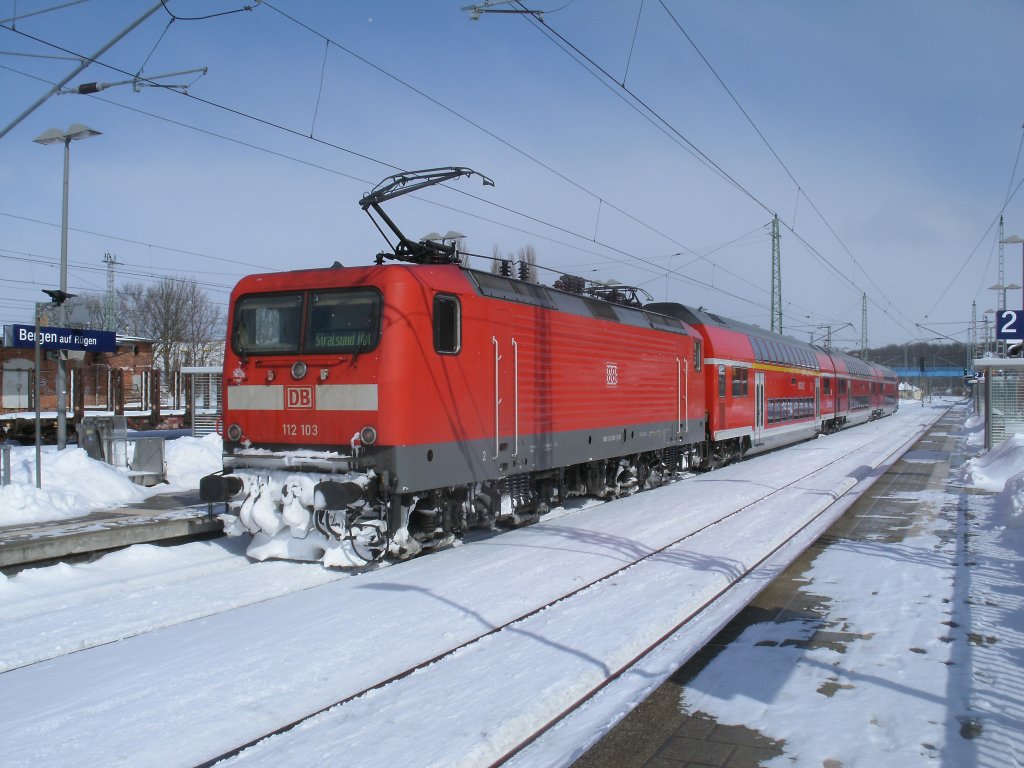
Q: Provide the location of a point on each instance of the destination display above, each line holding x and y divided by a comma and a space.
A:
78, 339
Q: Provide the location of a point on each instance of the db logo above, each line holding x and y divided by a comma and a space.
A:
611, 374
298, 397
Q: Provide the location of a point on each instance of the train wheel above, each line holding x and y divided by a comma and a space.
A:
369, 539
654, 474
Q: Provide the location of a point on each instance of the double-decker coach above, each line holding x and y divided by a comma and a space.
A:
765, 390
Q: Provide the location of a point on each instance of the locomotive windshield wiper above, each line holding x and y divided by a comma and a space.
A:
398, 184
364, 339
236, 342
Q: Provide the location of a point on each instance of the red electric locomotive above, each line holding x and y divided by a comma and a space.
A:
387, 408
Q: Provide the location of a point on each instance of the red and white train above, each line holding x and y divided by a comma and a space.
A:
384, 409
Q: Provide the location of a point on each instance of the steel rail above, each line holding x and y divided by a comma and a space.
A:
582, 588
613, 676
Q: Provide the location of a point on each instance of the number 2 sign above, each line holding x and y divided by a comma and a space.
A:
1010, 324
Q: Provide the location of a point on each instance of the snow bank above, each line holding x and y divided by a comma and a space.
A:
974, 427
1010, 503
189, 459
74, 485
991, 471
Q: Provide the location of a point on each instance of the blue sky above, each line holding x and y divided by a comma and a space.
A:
896, 125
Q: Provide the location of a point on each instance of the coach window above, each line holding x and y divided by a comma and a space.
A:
827, 386
447, 325
721, 381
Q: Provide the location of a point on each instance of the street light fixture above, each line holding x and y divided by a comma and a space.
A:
1010, 241
55, 136
1003, 289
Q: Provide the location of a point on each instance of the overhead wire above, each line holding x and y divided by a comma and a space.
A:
632, 45
970, 256
375, 160
483, 129
594, 68
82, 266
272, 124
394, 167
764, 139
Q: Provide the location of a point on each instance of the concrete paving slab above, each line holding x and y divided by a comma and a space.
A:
658, 734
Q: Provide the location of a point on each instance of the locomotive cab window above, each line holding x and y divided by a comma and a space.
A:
267, 324
697, 355
447, 325
343, 321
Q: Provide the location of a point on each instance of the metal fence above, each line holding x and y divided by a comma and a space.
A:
204, 388
1004, 398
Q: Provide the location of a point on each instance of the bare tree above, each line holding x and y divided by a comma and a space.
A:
186, 328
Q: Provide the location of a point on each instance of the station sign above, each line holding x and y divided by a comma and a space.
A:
78, 339
1010, 325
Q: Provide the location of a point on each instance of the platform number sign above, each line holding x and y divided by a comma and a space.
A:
1010, 324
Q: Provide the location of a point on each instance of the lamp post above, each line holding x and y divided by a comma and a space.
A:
39, 367
54, 136
57, 299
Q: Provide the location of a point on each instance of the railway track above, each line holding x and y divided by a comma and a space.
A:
673, 551
376, 659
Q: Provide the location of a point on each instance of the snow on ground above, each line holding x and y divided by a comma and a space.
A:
74, 485
932, 673
899, 693
184, 693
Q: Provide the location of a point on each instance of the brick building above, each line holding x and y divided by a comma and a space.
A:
112, 382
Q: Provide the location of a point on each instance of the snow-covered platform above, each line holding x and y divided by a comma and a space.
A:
158, 518
900, 629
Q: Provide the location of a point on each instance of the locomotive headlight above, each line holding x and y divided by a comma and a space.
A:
368, 435
234, 433
298, 370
